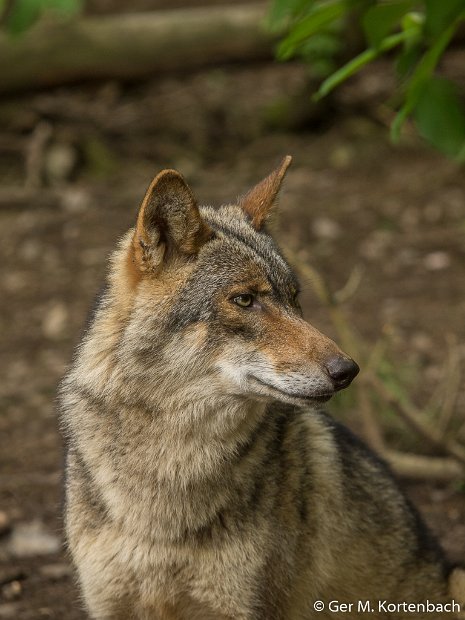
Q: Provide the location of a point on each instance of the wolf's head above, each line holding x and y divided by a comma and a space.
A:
214, 303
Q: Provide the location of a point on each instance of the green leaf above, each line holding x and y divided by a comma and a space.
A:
319, 52
320, 16
349, 69
413, 21
440, 116
420, 77
381, 19
440, 14
407, 60
399, 121
282, 11
357, 63
22, 15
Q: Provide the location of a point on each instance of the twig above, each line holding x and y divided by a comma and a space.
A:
350, 287
451, 386
371, 428
324, 294
311, 274
461, 432
35, 154
424, 467
379, 350
416, 420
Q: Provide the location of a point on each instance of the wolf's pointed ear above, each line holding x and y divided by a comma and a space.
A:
257, 203
168, 222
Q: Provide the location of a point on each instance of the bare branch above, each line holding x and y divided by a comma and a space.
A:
350, 287
451, 386
417, 421
424, 467
372, 430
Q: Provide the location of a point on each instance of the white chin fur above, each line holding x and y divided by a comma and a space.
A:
261, 381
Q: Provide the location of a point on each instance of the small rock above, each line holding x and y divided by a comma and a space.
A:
12, 590
75, 200
32, 539
436, 261
5, 523
341, 157
60, 162
55, 321
11, 573
325, 228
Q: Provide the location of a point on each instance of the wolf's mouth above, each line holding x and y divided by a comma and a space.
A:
321, 397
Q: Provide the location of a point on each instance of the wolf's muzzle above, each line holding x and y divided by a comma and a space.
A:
342, 370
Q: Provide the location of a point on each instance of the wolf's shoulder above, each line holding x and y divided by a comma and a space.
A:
332, 446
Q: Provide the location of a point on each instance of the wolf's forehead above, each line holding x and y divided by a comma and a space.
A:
245, 252
238, 255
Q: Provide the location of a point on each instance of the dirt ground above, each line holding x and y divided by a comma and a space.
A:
74, 164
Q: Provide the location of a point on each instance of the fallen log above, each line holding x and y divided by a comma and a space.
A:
131, 46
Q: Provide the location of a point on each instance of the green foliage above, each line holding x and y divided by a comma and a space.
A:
379, 20
415, 32
446, 130
22, 14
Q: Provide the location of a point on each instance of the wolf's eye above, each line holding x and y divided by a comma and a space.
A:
244, 301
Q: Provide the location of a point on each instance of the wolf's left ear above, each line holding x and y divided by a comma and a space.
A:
168, 222
258, 202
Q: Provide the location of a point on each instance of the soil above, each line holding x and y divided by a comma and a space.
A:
85, 156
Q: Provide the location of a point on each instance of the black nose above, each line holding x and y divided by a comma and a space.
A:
341, 370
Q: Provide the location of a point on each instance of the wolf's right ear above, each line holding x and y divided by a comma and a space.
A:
169, 222
259, 201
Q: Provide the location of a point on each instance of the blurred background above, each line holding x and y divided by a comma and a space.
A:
97, 97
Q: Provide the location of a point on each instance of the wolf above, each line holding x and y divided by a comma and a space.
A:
203, 480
